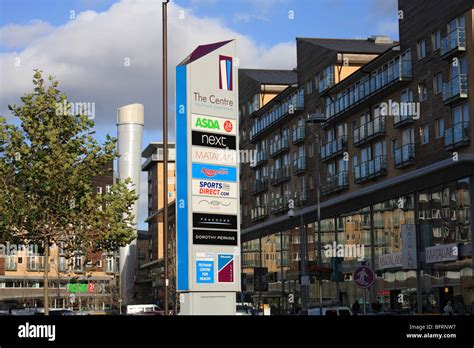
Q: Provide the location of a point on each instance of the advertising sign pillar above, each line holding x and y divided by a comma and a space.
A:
207, 171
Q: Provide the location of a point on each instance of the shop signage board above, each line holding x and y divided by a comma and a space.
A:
207, 170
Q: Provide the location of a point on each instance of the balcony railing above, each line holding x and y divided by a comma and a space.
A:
259, 185
281, 110
370, 169
335, 183
279, 175
334, 148
455, 89
298, 134
326, 82
259, 213
453, 42
279, 205
299, 165
404, 155
279, 146
262, 157
369, 87
369, 130
403, 119
457, 136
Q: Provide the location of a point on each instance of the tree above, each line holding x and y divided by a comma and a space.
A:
48, 160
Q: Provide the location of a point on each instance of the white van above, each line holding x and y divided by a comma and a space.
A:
331, 311
143, 309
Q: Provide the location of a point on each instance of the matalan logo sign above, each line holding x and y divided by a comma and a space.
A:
214, 205
213, 124
214, 188
214, 156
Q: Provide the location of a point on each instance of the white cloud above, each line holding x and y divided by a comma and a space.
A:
87, 56
18, 36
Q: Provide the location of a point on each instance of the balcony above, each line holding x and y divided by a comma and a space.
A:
298, 135
334, 148
280, 175
262, 157
279, 146
335, 183
455, 90
366, 88
403, 119
10, 264
281, 109
369, 130
370, 169
279, 205
299, 165
457, 136
405, 155
259, 185
453, 43
259, 213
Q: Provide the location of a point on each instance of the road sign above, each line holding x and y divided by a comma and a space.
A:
291, 298
363, 277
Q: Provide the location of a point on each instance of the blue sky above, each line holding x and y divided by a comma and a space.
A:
86, 53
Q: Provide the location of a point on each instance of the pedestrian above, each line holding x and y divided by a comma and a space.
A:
356, 308
448, 309
460, 308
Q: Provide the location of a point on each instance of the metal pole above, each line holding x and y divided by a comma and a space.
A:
165, 149
318, 202
283, 297
303, 288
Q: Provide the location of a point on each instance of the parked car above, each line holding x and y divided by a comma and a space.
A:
331, 311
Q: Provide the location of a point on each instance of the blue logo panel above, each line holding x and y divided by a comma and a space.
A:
205, 272
212, 172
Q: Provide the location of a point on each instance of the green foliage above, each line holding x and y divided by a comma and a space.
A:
47, 166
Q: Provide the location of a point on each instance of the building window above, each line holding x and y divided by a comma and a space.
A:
439, 128
425, 134
421, 49
311, 181
311, 149
422, 92
394, 146
99, 190
438, 83
309, 87
436, 40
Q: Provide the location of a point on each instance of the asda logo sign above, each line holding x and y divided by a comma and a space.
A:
214, 124
207, 123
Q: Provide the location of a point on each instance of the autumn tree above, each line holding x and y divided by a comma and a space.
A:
48, 160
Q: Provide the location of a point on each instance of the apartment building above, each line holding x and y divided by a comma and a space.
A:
149, 279
74, 283
393, 151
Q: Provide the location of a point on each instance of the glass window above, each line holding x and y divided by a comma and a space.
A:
438, 83
440, 128
421, 49
425, 134
436, 40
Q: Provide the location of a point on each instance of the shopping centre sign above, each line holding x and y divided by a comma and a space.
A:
207, 209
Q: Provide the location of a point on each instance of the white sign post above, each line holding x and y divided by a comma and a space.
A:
207, 208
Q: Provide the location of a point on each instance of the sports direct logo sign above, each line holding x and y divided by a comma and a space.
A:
214, 188
213, 124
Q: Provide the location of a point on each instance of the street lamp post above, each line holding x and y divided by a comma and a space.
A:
165, 148
318, 117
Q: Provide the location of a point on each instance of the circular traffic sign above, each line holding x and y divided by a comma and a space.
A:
363, 277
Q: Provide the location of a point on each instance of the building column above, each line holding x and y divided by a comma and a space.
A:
471, 201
